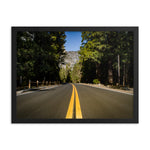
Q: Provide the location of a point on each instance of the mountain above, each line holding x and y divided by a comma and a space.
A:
71, 58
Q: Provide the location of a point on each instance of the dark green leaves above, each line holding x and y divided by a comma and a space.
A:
103, 47
39, 55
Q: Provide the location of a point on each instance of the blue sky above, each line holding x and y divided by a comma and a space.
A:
73, 40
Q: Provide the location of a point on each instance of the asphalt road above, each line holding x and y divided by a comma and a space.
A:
74, 101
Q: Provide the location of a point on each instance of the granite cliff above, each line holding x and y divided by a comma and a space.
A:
71, 58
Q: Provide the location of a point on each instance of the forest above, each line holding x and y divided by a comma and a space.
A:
106, 57
38, 56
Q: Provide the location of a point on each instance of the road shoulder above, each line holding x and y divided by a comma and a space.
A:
28, 91
100, 86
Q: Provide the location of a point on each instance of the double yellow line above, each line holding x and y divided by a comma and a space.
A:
78, 113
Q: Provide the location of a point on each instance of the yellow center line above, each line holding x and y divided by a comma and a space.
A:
71, 105
78, 108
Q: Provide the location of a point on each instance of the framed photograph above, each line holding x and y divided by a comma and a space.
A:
74, 75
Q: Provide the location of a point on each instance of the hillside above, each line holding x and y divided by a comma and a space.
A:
71, 58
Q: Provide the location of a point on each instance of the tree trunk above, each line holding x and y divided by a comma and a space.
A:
98, 70
110, 72
118, 69
124, 74
20, 81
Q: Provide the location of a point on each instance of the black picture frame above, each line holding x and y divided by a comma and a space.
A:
14, 31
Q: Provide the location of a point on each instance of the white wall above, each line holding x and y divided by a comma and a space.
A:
74, 13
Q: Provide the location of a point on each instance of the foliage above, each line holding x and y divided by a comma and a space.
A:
76, 73
65, 74
96, 81
39, 55
62, 74
99, 53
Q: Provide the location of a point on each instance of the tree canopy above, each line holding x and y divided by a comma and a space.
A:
105, 56
102, 48
39, 55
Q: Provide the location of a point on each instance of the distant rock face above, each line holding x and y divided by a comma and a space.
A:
71, 58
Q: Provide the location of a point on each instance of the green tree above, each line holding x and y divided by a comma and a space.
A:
76, 73
25, 57
39, 55
102, 50
65, 73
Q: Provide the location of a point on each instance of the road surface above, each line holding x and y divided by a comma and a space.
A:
74, 101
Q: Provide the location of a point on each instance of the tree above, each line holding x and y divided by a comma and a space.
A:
76, 73
39, 55
25, 56
102, 49
65, 73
